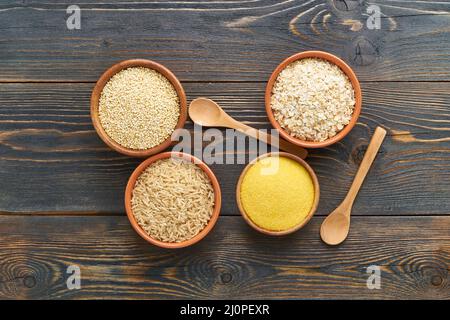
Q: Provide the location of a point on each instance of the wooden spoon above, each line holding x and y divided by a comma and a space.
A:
206, 112
336, 226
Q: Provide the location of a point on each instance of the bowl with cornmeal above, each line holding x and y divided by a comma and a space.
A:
277, 193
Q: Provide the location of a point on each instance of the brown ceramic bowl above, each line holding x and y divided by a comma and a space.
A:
99, 88
344, 67
217, 199
311, 212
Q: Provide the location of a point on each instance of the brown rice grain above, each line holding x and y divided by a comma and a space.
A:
173, 200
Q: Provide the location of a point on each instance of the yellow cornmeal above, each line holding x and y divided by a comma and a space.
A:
277, 198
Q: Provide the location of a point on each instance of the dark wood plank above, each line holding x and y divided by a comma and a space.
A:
220, 40
51, 159
232, 262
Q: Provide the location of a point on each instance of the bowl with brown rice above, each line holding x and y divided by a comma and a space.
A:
136, 105
173, 200
313, 99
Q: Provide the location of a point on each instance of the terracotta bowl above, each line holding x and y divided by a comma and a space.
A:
217, 199
95, 97
344, 67
311, 212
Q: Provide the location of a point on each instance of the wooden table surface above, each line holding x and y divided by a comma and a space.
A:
61, 188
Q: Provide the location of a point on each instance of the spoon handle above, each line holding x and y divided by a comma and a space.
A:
369, 157
269, 139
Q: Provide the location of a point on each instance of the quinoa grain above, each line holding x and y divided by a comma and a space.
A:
139, 108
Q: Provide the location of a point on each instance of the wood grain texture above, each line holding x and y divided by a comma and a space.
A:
222, 41
61, 188
51, 160
234, 261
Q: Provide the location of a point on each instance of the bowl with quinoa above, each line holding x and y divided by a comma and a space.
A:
136, 106
313, 99
173, 200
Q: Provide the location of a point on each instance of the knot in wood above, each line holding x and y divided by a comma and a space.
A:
226, 277
29, 281
364, 52
358, 153
436, 280
346, 5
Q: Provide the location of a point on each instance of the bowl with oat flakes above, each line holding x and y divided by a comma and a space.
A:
313, 99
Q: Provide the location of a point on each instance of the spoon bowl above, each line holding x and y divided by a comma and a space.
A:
336, 226
206, 112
